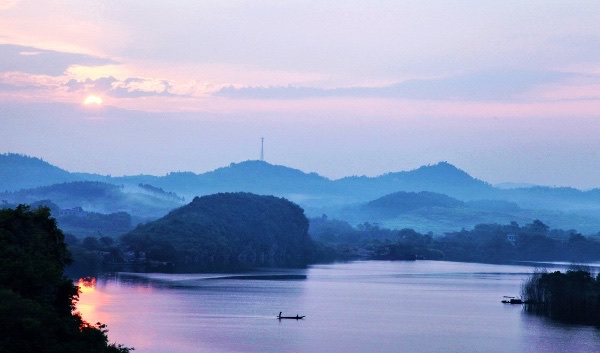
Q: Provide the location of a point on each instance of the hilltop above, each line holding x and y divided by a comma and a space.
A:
263, 178
150, 197
18, 171
227, 232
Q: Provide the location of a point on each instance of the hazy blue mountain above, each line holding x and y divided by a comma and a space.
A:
264, 178
98, 197
562, 198
494, 205
439, 213
561, 207
252, 176
22, 172
442, 178
511, 185
402, 202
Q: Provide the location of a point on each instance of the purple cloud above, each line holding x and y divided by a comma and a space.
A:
43, 62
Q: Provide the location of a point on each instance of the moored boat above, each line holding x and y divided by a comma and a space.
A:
297, 317
512, 300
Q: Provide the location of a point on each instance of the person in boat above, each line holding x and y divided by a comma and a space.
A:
297, 317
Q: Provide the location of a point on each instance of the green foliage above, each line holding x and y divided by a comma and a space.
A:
533, 242
118, 222
93, 255
99, 196
572, 297
489, 243
36, 300
227, 232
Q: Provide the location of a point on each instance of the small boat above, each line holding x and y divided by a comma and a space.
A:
297, 317
512, 300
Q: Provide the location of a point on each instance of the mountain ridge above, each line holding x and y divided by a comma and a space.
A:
317, 194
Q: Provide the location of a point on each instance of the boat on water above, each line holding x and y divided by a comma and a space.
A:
512, 300
297, 317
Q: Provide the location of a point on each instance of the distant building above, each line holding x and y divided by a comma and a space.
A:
511, 238
76, 211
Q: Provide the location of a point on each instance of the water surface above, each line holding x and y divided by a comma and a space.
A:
374, 306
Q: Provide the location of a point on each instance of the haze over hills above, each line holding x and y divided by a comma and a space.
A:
23, 172
100, 197
256, 176
560, 207
442, 178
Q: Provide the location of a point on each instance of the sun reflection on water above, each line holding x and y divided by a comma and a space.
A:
89, 299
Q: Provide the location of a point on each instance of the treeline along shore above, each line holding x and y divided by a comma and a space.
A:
233, 232
236, 232
572, 296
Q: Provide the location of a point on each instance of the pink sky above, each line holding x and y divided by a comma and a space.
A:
508, 91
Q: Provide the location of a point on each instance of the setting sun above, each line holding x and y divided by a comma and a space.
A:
92, 99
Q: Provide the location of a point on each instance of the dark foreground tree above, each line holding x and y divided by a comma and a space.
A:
37, 301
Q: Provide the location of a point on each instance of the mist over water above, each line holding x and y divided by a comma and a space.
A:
421, 306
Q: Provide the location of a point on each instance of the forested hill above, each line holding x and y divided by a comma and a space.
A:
227, 232
312, 191
249, 176
142, 200
23, 172
402, 202
442, 178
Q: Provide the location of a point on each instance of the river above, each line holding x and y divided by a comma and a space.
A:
367, 306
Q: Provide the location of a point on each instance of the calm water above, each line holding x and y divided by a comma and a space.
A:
422, 306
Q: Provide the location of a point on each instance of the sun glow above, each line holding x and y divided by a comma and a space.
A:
92, 99
87, 284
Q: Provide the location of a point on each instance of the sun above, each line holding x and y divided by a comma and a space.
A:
92, 99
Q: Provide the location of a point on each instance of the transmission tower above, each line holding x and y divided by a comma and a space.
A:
262, 148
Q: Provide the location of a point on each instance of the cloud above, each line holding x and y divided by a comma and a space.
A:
482, 86
102, 84
43, 62
23, 82
132, 87
7, 87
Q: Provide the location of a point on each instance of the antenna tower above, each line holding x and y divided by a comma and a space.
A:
262, 148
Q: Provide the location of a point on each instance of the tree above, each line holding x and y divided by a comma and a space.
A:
36, 299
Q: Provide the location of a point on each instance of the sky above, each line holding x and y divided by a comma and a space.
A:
508, 91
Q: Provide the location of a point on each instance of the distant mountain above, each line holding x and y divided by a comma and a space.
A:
263, 178
442, 178
427, 211
553, 198
249, 176
510, 185
319, 195
227, 232
22, 172
98, 197
402, 202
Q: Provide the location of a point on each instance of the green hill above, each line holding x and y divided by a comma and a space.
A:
443, 178
22, 172
403, 202
226, 232
99, 197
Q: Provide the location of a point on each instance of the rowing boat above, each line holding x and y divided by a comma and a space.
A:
297, 317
